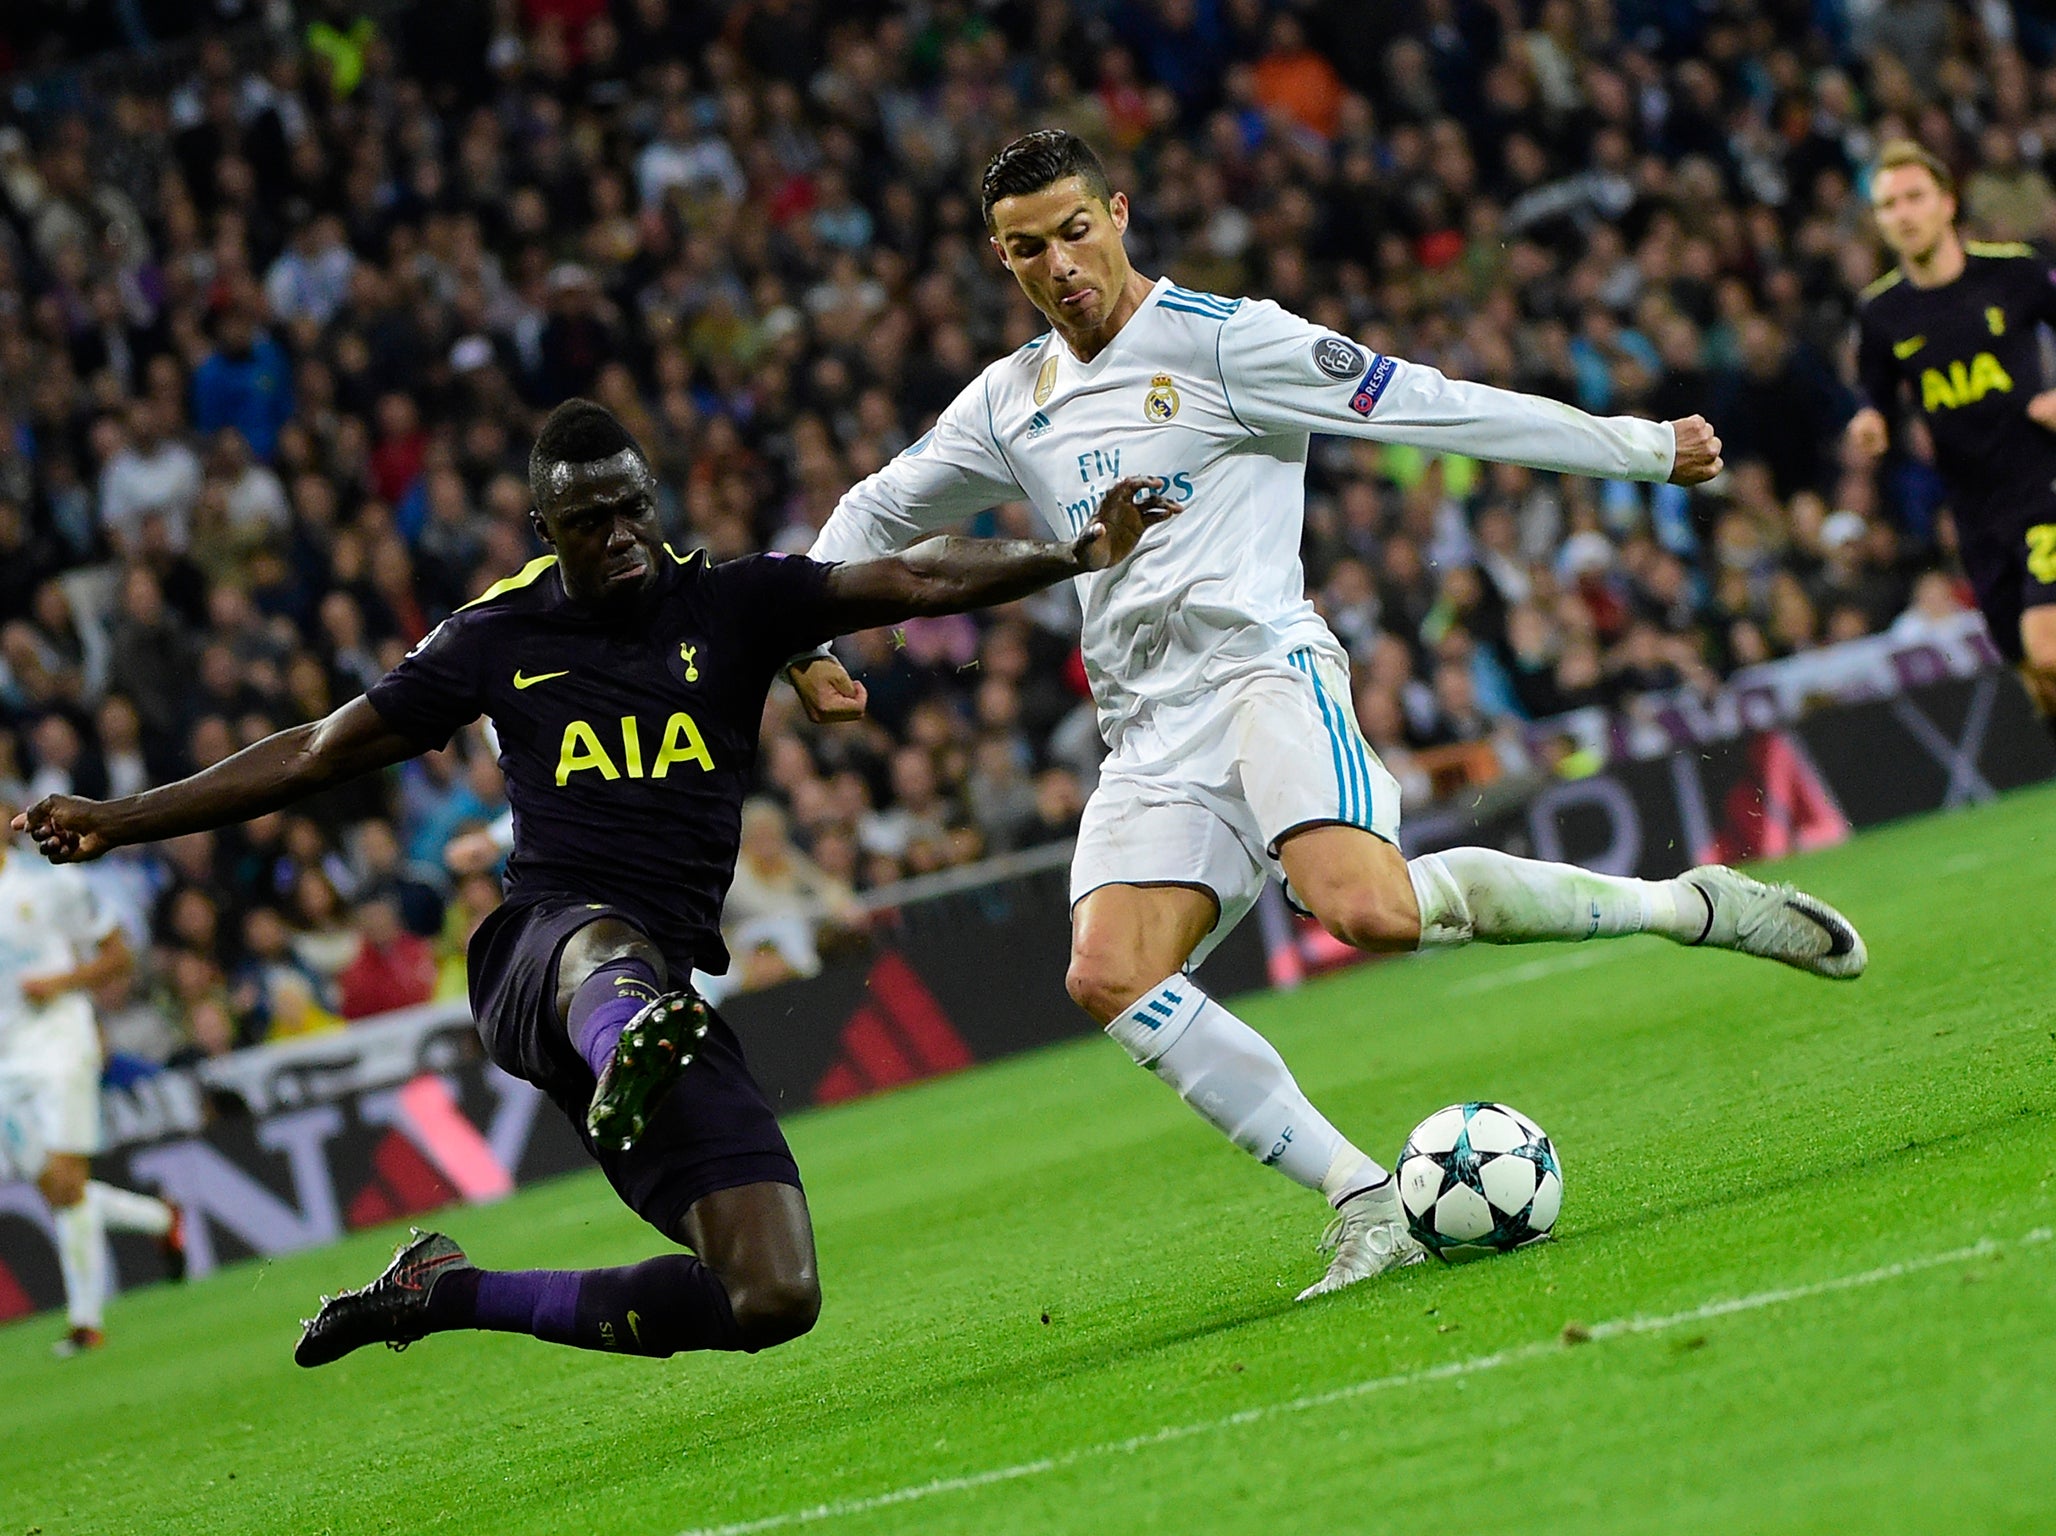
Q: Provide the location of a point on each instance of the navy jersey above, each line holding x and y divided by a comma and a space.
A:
1969, 356
628, 742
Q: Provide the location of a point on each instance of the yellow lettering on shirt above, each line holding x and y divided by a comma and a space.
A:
682, 744
581, 749
1986, 376
1963, 385
2041, 553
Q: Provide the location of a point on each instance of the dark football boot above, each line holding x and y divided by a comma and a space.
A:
392, 1310
653, 1052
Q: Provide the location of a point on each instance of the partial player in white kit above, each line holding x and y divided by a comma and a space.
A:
1223, 697
56, 946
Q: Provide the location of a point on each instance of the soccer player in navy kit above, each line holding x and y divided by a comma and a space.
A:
626, 683
1956, 324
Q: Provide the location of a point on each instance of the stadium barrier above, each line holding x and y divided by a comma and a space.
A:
289, 1146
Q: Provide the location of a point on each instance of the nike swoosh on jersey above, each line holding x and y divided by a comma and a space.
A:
1905, 349
540, 677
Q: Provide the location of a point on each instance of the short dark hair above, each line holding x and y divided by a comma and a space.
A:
1041, 159
578, 432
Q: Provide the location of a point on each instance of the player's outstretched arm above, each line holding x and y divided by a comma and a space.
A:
1283, 374
953, 575
262, 777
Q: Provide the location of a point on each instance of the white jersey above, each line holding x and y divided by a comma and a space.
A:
1218, 397
50, 923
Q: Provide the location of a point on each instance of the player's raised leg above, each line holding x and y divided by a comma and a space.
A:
1364, 892
128, 1210
1129, 947
637, 1037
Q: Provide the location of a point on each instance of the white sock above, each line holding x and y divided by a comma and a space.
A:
1239, 1085
1481, 893
82, 1256
127, 1210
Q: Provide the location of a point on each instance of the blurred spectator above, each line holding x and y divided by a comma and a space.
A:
243, 383
150, 476
781, 899
275, 993
392, 968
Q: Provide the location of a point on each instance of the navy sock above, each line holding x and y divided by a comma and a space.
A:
604, 1003
656, 1308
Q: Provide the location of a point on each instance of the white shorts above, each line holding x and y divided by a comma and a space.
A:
49, 1089
1201, 793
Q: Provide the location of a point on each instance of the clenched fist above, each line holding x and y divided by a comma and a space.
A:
1697, 459
827, 692
66, 828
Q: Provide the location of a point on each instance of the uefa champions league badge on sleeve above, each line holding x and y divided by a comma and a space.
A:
1373, 385
1340, 360
1161, 403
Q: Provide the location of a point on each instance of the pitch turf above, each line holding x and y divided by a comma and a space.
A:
1057, 1303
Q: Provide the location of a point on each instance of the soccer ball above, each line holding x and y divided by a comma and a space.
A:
1478, 1179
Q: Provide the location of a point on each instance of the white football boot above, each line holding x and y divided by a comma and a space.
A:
1776, 922
1368, 1236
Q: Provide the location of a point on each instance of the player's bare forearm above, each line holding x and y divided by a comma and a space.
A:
265, 776
954, 575
951, 575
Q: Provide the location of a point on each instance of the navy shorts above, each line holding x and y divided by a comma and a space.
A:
713, 1130
2011, 572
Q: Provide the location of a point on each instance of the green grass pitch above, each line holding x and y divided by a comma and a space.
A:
1058, 1303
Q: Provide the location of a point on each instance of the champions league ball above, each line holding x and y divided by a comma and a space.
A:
1478, 1179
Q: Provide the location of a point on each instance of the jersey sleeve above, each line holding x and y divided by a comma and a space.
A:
1284, 374
436, 690
779, 604
953, 472
1877, 385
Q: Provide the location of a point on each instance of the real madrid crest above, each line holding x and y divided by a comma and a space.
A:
1046, 381
1161, 403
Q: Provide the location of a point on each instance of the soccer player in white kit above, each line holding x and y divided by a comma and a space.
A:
56, 946
1224, 700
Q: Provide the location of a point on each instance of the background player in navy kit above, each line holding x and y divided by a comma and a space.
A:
1956, 324
626, 683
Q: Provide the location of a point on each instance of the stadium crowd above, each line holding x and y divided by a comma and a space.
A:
273, 343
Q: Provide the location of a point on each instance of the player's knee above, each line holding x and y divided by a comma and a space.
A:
1103, 985
775, 1308
63, 1182
1367, 916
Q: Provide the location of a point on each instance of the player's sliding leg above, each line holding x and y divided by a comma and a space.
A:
1129, 945
752, 1285
1367, 894
127, 1210
637, 1036
81, 1249
709, 1169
